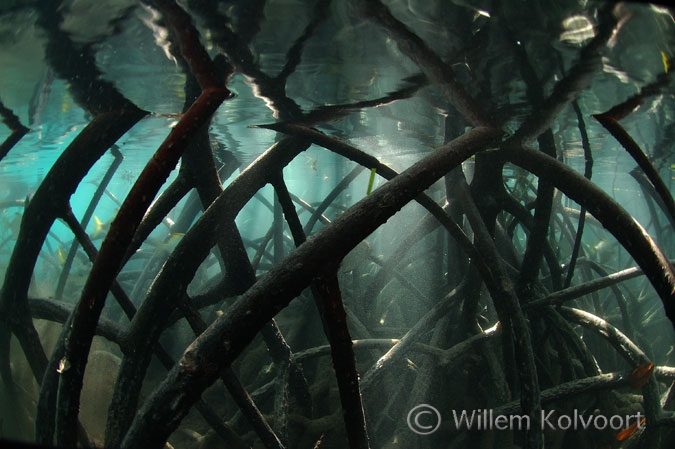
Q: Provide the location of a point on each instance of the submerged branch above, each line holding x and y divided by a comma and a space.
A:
233, 331
593, 384
49, 202
235, 387
631, 146
334, 318
366, 160
428, 321
538, 237
588, 172
328, 299
58, 312
100, 190
580, 290
339, 188
511, 317
114, 115
168, 289
614, 217
114, 246
635, 357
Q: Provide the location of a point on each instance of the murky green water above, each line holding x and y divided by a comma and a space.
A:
198, 145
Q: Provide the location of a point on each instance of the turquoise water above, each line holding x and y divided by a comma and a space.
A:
397, 81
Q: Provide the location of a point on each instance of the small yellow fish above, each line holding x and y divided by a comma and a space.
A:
99, 228
603, 251
312, 162
66, 103
666, 61
174, 238
601, 244
62, 255
166, 247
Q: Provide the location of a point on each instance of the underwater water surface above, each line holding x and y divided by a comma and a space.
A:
337, 223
